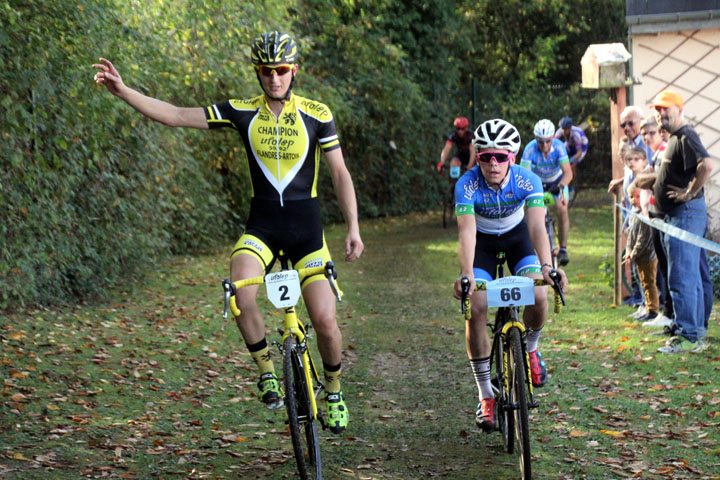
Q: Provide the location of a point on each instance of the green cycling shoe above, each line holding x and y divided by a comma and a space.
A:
337, 412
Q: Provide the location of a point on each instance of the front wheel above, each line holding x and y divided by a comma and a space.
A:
503, 410
517, 373
302, 423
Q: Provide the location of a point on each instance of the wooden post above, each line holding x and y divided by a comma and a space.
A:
617, 105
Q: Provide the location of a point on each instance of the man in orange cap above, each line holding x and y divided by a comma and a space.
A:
678, 189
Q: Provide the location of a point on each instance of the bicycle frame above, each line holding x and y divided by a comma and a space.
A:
292, 325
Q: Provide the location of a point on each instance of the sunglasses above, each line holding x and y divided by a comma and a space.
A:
267, 71
627, 122
541, 140
499, 157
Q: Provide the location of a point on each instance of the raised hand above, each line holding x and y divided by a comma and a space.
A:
108, 76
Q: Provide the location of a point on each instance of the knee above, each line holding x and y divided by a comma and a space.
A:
540, 299
324, 323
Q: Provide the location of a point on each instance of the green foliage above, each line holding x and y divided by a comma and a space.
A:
93, 194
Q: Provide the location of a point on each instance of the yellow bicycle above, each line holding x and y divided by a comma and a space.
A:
509, 361
301, 381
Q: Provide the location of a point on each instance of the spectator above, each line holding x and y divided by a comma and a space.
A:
650, 133
639, 248
630, 121
653, 137
678, 189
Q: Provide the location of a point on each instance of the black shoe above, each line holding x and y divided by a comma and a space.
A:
648, 317
562, 257
670, 331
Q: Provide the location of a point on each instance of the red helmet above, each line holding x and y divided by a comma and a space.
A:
461, 122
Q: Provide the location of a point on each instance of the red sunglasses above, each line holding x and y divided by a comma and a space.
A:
499, 157
266, 70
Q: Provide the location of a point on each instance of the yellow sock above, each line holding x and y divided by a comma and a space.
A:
332, 378
260, 352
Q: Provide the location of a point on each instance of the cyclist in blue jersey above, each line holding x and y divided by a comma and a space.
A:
546, 156
499, 208
574, 139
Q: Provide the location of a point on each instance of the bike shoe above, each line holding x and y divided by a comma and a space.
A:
562, 257
338, 416
537, 369
485, 415
270, 391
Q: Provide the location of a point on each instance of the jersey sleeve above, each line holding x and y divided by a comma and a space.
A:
526, 160
533, 187
220, 115
562, 154
465, 189
326, 132
327, 136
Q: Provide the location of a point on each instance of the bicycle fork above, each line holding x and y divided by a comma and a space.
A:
312, 379
506, 363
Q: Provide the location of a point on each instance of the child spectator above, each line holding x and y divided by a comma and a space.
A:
639, 247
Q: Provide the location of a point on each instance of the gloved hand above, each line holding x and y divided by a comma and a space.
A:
440, 167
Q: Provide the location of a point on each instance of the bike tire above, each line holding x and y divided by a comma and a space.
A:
519, 399
303, 426
448, 206
503, 411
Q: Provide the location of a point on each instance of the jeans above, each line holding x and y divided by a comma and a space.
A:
707, 285
684, 279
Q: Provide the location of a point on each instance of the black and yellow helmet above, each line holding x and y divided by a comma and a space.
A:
273, 47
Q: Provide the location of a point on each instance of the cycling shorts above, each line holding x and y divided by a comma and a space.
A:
295, 229
518, 248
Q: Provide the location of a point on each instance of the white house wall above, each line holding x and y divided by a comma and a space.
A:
688, 62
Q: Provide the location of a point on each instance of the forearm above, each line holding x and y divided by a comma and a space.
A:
567, 174
163, 112
345, 192
538, 235
645, 180
466, 243
445, 152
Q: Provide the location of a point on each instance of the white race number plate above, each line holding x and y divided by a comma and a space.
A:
507, 291
283, 288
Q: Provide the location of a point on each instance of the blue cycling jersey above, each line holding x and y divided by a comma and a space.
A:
577, 141
548, 169
499, 211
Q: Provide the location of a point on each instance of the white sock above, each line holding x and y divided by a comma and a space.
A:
531, 339
481, 370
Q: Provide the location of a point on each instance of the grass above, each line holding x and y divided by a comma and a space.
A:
156, 385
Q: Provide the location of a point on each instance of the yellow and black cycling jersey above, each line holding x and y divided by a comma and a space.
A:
283, 152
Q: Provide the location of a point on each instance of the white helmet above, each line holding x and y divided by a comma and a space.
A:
544, 128
497, 133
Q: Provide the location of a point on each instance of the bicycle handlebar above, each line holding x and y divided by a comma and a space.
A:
230, 288
554, 275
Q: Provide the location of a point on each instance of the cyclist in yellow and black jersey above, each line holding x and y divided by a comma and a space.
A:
283, 153
284, 136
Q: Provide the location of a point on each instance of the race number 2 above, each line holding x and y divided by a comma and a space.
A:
283, 288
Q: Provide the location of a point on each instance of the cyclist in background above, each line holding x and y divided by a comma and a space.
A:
546, 157
575, 141
461, 138
284, 137
499, 208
